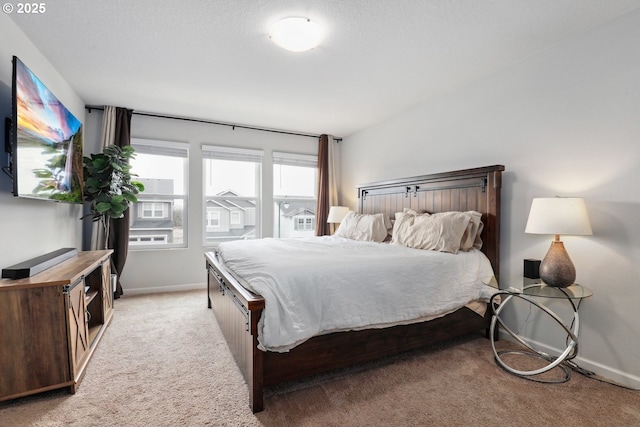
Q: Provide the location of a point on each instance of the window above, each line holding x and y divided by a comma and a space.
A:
294, 194
154, 210
303, 224
235, 217
213, 219
231, 193
159, 218
148, 240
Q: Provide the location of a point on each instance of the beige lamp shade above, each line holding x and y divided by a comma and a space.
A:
558, 215
337, 214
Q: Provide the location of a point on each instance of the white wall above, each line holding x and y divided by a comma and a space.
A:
565, 121
30, 228
173, 269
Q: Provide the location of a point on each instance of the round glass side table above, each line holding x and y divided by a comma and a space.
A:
529, 293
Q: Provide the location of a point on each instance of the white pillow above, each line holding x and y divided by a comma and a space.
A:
410, 211
471, 237
364, 227
439, 232
388, 224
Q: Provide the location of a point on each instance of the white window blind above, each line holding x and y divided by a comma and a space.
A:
231, 153
293, 159
161, 148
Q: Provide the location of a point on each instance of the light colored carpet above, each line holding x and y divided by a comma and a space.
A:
163, 362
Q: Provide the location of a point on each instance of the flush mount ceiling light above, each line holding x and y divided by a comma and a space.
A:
296, 34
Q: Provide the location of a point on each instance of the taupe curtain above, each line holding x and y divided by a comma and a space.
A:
107, 138
327, 194
116, 130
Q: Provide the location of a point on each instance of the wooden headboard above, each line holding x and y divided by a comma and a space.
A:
476, 189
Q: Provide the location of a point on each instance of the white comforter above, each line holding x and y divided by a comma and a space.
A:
318, 285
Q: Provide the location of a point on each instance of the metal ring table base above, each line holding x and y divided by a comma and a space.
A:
503, 365
554, 361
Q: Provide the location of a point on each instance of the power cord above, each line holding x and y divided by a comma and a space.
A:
592, 375
577, 368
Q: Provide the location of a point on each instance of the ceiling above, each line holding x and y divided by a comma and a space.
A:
213, 60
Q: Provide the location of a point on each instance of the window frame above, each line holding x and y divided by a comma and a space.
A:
217, 152
168, 149
293, 159
140, 239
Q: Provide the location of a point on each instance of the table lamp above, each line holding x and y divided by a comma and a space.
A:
558, 215
337, 214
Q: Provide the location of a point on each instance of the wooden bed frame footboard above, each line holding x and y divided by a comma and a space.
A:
238, 311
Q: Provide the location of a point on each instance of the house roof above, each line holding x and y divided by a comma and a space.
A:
231, 203
220, 203
290, 208
300, 211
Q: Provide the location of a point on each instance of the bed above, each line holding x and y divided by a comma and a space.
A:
239, 310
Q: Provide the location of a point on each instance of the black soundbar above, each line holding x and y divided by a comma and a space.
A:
38, 264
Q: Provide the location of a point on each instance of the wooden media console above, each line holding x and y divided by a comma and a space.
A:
52, 322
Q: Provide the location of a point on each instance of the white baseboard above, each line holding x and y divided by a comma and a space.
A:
159, 289
612, 374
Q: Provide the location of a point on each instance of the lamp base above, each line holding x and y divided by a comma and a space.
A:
557, 269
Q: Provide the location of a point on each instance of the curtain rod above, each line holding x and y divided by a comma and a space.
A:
211, 122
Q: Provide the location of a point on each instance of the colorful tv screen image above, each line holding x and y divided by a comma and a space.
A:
48, 152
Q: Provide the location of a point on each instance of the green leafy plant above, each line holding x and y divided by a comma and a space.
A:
108, 184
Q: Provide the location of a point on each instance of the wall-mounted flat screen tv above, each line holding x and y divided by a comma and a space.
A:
46, 142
